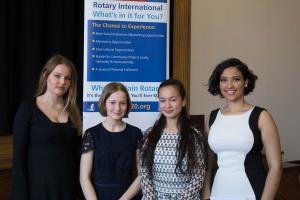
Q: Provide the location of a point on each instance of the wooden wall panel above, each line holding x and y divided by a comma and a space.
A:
181, 42
5, 165
5, 152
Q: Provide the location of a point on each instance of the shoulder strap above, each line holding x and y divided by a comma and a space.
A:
254, 116
253, 123
212, 117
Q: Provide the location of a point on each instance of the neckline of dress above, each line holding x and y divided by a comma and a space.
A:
44, 114
125, 127
168, 133
240, 114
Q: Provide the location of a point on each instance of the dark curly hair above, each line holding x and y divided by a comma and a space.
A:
214, 80
189, 137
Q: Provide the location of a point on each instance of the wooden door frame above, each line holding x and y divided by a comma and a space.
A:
181, 51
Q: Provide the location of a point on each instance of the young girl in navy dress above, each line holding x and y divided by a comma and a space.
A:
237, 134
172, 153
110, 150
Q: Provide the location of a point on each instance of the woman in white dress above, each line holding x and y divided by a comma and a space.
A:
238, 133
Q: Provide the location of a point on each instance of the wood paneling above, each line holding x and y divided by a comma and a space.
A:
181, 42
5, 184
198, 122
5, 165
5, 152
289, 188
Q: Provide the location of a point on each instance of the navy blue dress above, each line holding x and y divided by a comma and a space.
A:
114, 159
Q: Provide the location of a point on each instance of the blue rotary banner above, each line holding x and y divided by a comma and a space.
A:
127, 42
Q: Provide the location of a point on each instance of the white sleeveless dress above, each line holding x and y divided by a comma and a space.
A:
231, 138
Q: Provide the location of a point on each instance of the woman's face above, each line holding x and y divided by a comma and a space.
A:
170, 102
59, 80
116, 105
232, 84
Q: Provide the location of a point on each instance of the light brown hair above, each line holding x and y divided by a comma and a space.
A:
108, 90
71, 95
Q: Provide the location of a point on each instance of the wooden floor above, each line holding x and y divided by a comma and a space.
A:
289, 188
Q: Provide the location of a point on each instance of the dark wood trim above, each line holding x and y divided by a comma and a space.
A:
5, 152
198, 122
5, 165
5, 184
181, 29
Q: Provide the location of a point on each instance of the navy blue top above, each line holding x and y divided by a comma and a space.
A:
114, 156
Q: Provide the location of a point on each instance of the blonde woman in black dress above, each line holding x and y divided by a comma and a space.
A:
45, 131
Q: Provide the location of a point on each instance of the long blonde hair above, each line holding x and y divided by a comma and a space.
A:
70, 96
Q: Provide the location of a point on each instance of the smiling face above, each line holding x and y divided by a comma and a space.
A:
59, 80
232, 84
170, 102
116, 105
